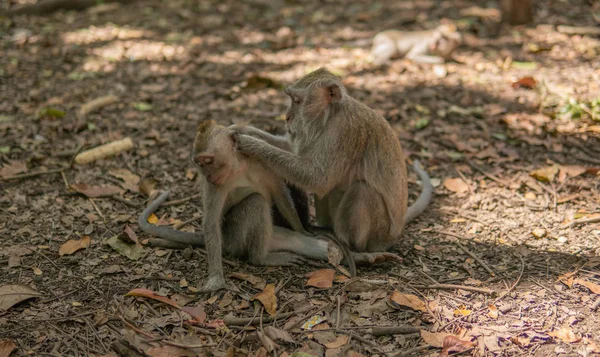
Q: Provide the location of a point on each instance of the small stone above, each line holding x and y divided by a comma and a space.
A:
563, 239
530, 196
539, 233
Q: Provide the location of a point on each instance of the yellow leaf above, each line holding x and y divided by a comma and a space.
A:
462, 311
152, 219
268, 299
493, 313
545, 174
408, 300
321, 278
458, 220
565, 334
73, 245
456, 185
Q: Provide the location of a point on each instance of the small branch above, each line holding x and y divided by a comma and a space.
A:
410, 351
241, 321
488, 175
582, 221
161, 338
454, 286
395, 330
124, 201
33, 174
578, 30
185, 223
472, 255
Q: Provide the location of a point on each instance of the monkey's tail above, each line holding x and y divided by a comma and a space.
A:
424, 198
195, 239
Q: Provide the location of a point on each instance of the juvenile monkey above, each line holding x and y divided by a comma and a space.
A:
238, 194
347, 155
430, 46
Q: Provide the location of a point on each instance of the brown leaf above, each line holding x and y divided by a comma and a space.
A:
565, 334
570, 171
73, 245
525, 82
6, 347
147, 186
408, 300
545, 174
493, 313
595, 288
258, 283
321, 278
152, 295
13, 294
434, 339
196, 312
278, 335
567, 279
456, 185
168, 351
268, 299
340, 341
130, 180
95, 191
13, 168
454, 344
133, 238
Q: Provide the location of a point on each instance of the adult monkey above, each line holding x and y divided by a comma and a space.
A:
348, 155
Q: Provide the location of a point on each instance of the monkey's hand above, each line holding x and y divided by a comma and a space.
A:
368, 258
249, 145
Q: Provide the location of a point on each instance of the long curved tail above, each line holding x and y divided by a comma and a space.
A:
195, 239
424, 198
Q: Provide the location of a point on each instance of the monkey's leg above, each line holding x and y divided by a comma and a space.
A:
362, 220
382, 52
249, 222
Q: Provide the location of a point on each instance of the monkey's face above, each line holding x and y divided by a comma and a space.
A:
293, 116
215, 155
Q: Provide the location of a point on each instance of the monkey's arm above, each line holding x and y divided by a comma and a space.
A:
278, 141
285, 204
214, 201
303, 172
195, 239
424, 198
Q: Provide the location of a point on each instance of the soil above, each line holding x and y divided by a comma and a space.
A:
513, 227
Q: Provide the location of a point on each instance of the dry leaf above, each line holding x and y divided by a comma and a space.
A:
493, 313
434, 339
321, 278
258, 283
525, 82
196, 312
565, 334
454, 344
37, 271
131, 236
168, 351
6, 347
595, 288
278, 335
95, 191
567, 279
152, 295
13, 168
408, 300
130, 180
340, 341
268, 299
570, 171
545, 174
147, 186
456, 185
521, 341
462, 311
153, 219
73, 245
13, 294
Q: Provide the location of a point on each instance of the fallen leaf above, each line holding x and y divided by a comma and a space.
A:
567, 279
570, 171
147, 186
152, 295
595, 288
131, 251
278, 335
37, 271
13, 168
493, 313
435, 339
258, 283
462, 311
6, 347
153, 219
522, 341
268, 299
313, 321
321, 278
130, 180
565, 334
408, 300
456, 185
73, 245
525, 82
95, 191
196, 312
14, 261
545, 174
340, 341
13, 294
132, 238
168, 351
454, 344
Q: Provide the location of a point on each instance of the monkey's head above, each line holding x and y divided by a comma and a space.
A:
313, 97
215, 153
446, 40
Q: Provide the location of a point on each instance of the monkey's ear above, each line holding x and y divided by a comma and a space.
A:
333, 93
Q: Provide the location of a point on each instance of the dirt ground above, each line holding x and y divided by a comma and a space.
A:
503, 263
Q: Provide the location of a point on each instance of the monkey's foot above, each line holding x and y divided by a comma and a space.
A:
282, 259
214, 284
375, 258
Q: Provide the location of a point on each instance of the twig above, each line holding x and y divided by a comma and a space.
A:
578, 30
488, 175
160, 338
356, 337
338, 317
97, 208
124, 201
396, 330
180, 201
64, 177
241, 321
410, 351
454, 286
33, 174
472, 255
465, 216
185, 223
462, 176
582, 221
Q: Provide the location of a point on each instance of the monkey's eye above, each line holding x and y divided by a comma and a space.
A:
296, 100
202, 160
